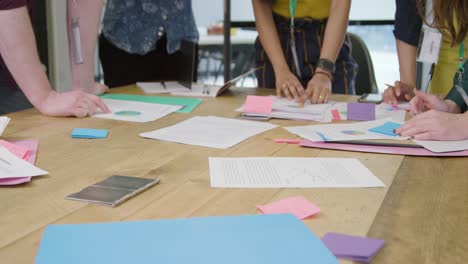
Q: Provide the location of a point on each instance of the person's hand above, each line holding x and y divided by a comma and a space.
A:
287, 85
318, 89
399, 92
426, 102
74, 103
436, 125
100, 88
91, 88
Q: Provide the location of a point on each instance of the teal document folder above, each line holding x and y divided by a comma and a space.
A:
247, 239
188, 103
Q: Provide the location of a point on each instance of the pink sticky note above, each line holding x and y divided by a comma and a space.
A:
31, 147
297, 205
258, 104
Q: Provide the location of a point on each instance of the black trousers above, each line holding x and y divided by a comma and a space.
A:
123, 68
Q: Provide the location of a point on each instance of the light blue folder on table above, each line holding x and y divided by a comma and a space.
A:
247, 239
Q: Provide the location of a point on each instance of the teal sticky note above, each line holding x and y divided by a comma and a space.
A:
246, 239
386, 129
188, 103
89, 133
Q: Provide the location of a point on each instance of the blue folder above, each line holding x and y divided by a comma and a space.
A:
248, 239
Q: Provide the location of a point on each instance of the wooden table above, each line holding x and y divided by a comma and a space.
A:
423, 215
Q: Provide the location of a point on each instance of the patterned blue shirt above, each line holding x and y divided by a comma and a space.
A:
135, 26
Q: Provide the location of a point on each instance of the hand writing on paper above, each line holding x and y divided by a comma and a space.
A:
436, 125
318, 89
74, 103
288, 86
400, 92
426, 101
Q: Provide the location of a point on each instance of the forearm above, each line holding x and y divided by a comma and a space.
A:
407, 62
336, 29
268, 34
18, 49
89, 14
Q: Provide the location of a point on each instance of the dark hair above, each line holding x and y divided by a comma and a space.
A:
446, 14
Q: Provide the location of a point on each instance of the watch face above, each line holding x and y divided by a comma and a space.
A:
327, 65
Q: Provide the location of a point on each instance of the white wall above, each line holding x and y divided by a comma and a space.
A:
211, 11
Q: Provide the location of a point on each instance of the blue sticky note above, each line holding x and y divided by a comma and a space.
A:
361, 111
386, 129
247, 239
89, 133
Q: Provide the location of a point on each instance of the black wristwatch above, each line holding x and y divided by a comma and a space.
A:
327, 65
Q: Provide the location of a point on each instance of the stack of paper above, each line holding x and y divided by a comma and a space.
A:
210, 131
136, 111
24, 149
342, 132
355, 248
188, 104
14, 165
290, 173
283, 108
4, 120
161, 87
248, 239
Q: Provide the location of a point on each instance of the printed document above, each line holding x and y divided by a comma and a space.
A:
262, 172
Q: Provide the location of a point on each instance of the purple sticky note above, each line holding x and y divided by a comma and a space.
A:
352, 247
361, 111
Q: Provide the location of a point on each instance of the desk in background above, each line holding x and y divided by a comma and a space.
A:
421, 213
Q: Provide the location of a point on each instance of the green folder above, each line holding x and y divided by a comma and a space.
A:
188, 103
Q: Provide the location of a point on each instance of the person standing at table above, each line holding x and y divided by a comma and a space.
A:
19, 63
408, 23
303, 48
141, 40
446, 119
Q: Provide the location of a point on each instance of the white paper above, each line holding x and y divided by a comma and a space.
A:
210, 131
161, 88
4, 120
289, 109
290, 173
12, 167
136, 111
348, 131
443, 146
200, 90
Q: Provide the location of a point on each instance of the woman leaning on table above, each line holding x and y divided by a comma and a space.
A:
308, 56
19, 64
445, 119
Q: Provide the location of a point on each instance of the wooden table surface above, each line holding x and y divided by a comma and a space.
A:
422, 213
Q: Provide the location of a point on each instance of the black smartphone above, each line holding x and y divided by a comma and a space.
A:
370, 98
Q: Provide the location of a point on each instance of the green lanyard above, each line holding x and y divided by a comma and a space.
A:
292, 11
461, 58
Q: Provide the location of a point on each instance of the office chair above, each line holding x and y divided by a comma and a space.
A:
365, 79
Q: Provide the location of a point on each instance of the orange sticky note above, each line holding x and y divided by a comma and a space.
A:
297, 205
258, 104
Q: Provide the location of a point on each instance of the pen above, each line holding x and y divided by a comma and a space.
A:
288, 141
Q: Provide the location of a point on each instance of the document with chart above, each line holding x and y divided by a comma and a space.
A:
260, 172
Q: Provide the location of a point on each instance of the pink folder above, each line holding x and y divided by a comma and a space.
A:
382, 149
25, 149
